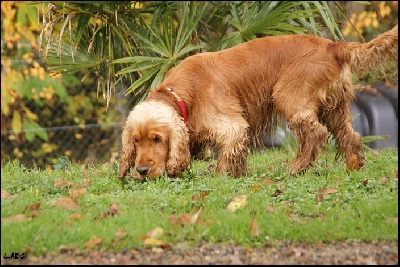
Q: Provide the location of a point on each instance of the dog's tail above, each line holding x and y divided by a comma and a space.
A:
378, 57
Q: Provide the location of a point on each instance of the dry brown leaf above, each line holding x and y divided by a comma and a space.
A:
66, 203
270, 208
94, 241
120, 233
196, 216
32, 211
75, 216
266, 180
185, 219
75, 194
237, 202
393, 220
4, 193
66, 248
365, 182
112, 210
151, 242
200, 196
353, 163
86, 182
62, 183
32, 207
277, 192
287, 203
254, 228
255, 188
384, 180
326, 191
15, 218
156, 233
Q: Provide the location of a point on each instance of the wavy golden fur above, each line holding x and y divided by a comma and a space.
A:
234, 96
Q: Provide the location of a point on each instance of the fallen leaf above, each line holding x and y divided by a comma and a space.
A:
393, 220
237, 202
353, 163
287, 203
94, 241
120, 233
62, 183
266, 180
75, 194
15, 218
365, 182
185, 219
66, 203
66, 249
200, 196
325, 191
270, 208
112, 210
86, 182
75, 216
4, 193
32, 207
196, 216
254, 228
277, 192
156, 233
155, 243
255, 188
384, 180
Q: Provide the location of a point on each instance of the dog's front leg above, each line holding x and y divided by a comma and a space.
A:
233, 144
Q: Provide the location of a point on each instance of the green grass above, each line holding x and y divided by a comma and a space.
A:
364, 208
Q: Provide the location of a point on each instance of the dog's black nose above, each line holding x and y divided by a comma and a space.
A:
143, 170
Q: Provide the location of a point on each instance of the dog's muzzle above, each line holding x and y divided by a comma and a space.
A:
143, 170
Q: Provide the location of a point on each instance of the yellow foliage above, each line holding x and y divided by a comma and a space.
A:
366, 19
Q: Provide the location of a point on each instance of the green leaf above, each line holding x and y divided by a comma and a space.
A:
16, 124
82, 24
138, 59
30, 135
139, 67
370, 138
141, 80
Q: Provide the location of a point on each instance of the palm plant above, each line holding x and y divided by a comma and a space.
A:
138, 42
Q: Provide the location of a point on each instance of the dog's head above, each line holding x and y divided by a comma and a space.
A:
154, 141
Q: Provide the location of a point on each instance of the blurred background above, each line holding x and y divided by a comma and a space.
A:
50, 110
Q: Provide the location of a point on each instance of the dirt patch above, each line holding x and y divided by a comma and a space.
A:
346, 253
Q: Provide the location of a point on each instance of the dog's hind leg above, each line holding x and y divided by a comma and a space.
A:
338, 121
310, 136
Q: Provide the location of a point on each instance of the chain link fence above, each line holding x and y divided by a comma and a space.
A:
79, 128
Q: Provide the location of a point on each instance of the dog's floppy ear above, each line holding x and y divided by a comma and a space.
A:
179, 154
128, 153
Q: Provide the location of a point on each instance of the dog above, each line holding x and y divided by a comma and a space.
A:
229, 99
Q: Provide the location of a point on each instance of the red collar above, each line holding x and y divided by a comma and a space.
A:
180, 103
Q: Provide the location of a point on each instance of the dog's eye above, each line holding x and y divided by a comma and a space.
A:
156, 139
136, 140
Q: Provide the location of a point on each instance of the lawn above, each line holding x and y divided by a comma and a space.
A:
81, 207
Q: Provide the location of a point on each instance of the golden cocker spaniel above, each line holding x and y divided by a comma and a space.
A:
231, 98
